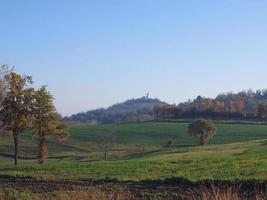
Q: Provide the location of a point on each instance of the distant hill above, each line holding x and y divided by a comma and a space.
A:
133, 110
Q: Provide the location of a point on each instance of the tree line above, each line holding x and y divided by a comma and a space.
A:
247, 105
23, 108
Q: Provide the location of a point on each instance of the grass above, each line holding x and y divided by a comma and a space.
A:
236, 152
224, 162
135, 192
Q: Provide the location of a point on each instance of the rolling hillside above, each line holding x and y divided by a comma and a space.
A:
134, 110
131, 140
139, 153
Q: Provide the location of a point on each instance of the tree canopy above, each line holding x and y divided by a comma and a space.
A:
17, 106
23, 108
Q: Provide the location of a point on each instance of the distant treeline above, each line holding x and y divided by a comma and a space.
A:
247, 105
133, 110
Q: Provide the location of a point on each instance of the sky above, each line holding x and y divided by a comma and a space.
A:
94, 53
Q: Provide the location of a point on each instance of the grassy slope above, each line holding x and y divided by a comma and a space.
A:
238, 151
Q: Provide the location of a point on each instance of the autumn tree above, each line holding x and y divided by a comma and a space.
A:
203, 129
17, 107
46, 121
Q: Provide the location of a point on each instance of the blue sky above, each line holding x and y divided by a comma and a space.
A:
95, 53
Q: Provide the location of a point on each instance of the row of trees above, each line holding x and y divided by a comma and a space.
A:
243, 105
23, 108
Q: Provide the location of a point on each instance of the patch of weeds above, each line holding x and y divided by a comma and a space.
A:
12, 194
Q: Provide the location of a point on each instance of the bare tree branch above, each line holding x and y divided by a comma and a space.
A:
107, 141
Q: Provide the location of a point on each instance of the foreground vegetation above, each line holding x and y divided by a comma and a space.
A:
113, 191
224, 162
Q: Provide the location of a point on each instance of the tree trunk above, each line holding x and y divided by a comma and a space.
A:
157, 116
41, 151
106, 153
202, 140
16, 143
42, 148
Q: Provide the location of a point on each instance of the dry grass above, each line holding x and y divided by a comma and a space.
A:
223, 193
86, 195
103, 193
79, 194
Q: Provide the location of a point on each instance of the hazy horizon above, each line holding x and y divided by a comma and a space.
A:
94, 54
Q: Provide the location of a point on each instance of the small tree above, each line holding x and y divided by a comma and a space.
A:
17, 107
204, 129
107, 141
46, 121
170, 143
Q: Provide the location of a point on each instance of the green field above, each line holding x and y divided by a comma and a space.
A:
236, 152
